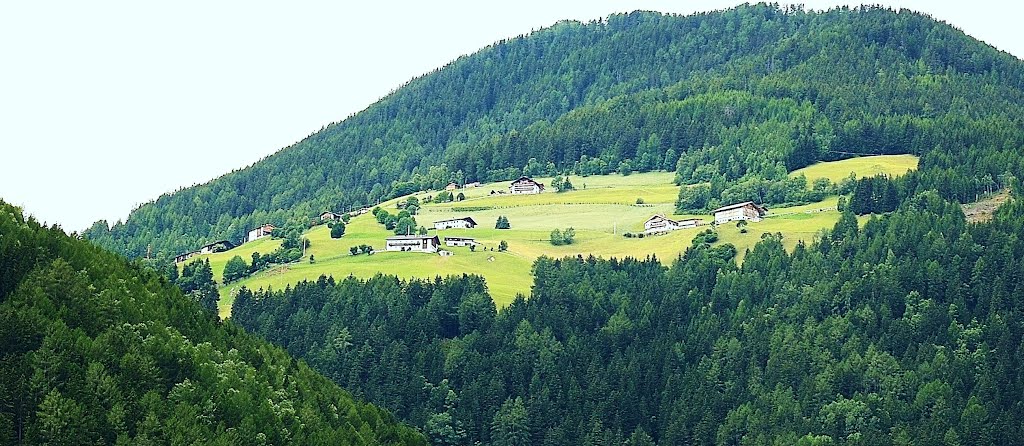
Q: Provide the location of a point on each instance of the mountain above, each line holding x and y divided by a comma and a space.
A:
733, 98
97, 350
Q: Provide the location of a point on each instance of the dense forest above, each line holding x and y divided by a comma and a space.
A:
97, 350
730, 99
907, 330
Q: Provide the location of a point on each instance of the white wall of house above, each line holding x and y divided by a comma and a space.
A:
449, 224
411, 245
459, 242
742, 213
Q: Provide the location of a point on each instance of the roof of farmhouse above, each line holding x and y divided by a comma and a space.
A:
738, 205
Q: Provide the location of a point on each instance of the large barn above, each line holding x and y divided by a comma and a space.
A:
413, 243
747, 210
525, 185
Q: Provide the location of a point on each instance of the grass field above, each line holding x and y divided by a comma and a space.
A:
865, 166
600, 213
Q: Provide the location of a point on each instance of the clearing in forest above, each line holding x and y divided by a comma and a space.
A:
601, 210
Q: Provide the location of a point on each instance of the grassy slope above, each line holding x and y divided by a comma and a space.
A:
865, 166
600, 213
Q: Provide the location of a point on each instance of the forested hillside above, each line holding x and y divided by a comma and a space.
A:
733, 99
95, 350
905, 331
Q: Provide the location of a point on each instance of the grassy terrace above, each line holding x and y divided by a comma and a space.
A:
600, 210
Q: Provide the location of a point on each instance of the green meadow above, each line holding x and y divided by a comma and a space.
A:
600, 210
865, 166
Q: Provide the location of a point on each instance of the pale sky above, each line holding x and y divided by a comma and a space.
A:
106, 105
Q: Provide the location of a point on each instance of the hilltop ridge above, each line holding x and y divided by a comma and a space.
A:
731, 96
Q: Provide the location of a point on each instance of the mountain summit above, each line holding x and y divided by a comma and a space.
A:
750, 92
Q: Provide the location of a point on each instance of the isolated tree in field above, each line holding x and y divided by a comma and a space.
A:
235, 269
460, 197
502, 223
338, 230
563, 237
502, 246
566, 185
556, 237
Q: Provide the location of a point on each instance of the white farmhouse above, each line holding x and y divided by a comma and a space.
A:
659, 224
525, 185
457, 223
414, 243
739, 211
260, 232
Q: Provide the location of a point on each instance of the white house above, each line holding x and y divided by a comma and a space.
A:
739, 211
459, 241
658, 224
525, 185
458, 223
414, 243
472, 184
260, 232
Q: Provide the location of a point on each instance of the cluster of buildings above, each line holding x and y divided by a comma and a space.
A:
748, 211
225, 245
657, 224
432, 243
